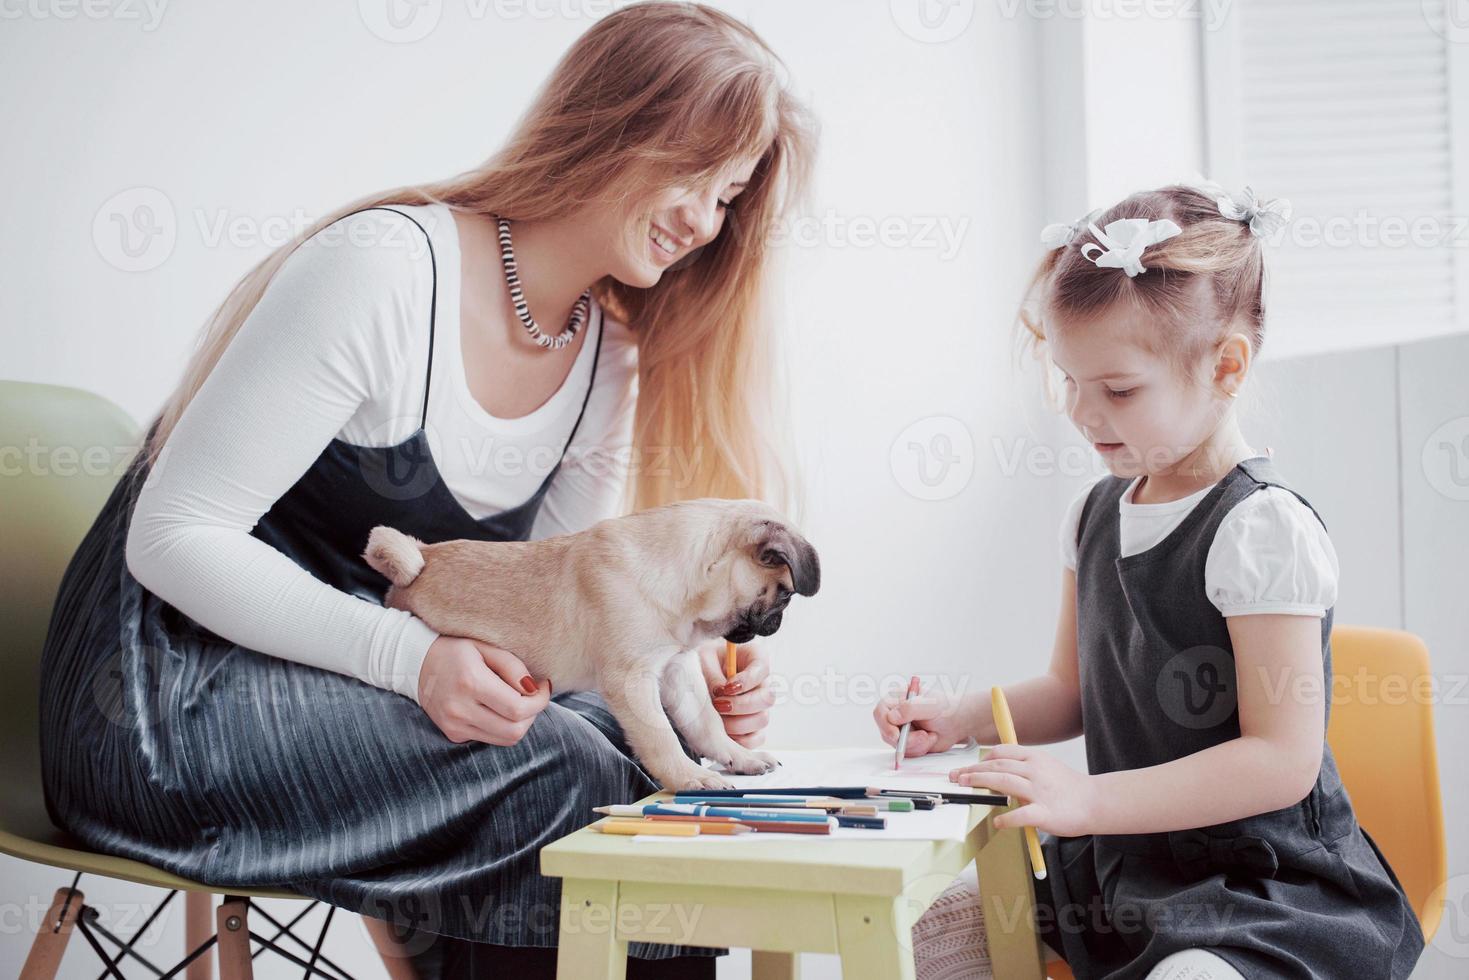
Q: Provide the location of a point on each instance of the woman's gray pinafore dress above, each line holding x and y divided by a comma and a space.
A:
164, 742
1301, 892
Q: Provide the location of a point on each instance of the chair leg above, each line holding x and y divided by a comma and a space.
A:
394, 956
232, 924
50, 943
198, 926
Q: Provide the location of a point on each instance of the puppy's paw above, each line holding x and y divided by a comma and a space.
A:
747, 762
692, 777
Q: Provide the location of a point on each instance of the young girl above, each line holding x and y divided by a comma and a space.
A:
1211, 836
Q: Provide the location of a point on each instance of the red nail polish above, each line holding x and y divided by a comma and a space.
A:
528, 684
733, 687
722, 704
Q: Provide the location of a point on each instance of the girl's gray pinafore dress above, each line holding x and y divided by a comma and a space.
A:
164, 742
1301, 892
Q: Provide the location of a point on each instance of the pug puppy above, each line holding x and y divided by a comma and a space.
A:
620, 608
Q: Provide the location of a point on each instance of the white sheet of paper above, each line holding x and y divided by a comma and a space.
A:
862, 767
859, 767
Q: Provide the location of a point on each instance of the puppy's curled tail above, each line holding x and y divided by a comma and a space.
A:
395, 555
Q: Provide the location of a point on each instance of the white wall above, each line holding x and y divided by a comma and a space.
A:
1374, 439
934, 484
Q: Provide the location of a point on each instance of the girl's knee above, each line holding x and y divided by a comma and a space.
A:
1194, 964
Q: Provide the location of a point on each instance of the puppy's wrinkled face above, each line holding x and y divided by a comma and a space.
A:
761, 564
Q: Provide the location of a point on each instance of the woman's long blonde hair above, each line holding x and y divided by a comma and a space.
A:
654, 94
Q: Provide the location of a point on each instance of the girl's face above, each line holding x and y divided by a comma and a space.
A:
1138, 410
663, 228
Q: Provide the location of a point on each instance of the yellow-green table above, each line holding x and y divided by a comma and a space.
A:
780, 897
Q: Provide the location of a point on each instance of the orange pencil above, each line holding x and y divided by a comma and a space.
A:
768, 826
731, 665
684, 829
707, 825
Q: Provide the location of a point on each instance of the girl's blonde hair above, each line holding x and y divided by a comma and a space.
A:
1197, 286
654, 94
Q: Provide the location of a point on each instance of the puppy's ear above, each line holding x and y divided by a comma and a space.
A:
776, 545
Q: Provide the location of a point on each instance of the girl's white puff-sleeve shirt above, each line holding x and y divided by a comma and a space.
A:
338, 347
1269, 555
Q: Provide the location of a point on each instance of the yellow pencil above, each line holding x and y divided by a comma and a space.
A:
1006, 726
731, 666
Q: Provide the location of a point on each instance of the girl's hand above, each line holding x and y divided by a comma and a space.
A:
475, 691
744, 701
1057, 798
938, 724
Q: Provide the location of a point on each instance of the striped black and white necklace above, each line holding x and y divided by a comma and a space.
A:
517, 296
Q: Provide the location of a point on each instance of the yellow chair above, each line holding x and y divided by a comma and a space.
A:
1381, 733
61, 452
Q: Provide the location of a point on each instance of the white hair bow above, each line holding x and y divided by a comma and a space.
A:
1123, 242
1060, 233
1265, 217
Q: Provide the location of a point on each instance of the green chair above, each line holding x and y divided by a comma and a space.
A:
61, 452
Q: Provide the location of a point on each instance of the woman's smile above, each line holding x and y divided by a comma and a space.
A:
665, 246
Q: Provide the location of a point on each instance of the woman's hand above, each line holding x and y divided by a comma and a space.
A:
744, 701
938, 722
1057, 798
475, 691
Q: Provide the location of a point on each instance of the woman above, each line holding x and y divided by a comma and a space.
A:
224, 694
